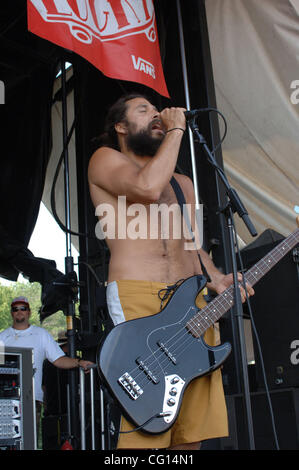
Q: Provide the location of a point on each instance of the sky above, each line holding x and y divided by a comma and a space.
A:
47, 241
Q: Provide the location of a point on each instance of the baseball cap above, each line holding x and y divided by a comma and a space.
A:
20, 300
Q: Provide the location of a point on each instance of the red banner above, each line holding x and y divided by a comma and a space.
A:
119, 37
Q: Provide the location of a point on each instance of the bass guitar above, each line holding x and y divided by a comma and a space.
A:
147, 363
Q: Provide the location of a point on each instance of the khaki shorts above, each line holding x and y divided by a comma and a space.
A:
203, 412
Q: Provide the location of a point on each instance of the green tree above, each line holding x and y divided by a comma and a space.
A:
5, 299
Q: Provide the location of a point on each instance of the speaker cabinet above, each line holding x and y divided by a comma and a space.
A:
285, 405
275, 307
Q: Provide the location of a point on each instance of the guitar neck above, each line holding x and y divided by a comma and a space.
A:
261, 268
223, 302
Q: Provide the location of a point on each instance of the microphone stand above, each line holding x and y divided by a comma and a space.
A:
234, 205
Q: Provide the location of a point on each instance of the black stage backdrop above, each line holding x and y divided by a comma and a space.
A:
27, 68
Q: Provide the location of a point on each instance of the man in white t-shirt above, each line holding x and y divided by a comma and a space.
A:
24, 335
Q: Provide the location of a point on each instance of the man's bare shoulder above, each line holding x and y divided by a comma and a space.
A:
106, 155
105, 160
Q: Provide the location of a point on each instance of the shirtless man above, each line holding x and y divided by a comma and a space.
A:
137, 160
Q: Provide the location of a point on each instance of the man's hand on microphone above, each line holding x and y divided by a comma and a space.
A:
173, 118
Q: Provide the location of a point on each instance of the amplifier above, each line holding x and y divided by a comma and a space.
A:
17, 406
275, 307
285, 403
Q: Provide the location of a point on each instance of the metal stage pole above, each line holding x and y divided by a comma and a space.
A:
238, 307
187, 99
69, 267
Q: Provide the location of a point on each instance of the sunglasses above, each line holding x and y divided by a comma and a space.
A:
15, 309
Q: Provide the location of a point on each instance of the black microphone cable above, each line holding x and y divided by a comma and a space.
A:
209, 110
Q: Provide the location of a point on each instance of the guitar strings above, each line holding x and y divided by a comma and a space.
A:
201, 325
162, 360
161, 363
159, 357
152, 357
227, 294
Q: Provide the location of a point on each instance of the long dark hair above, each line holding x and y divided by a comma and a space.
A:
116, 113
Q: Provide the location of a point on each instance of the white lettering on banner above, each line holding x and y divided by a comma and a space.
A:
294, 358
143, 66
103, 19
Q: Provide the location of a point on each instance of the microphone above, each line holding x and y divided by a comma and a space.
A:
195, 112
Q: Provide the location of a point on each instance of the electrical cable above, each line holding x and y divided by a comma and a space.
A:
225, 129
56, 174
215, 110
158, 415
100, 283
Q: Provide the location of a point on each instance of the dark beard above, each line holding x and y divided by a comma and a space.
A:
142, 143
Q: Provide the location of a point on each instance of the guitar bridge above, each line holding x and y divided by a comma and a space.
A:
130, 386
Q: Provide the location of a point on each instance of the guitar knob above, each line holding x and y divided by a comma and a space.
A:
175, 380
171, 402
173, 391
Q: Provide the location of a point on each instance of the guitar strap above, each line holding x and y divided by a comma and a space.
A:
181, 200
